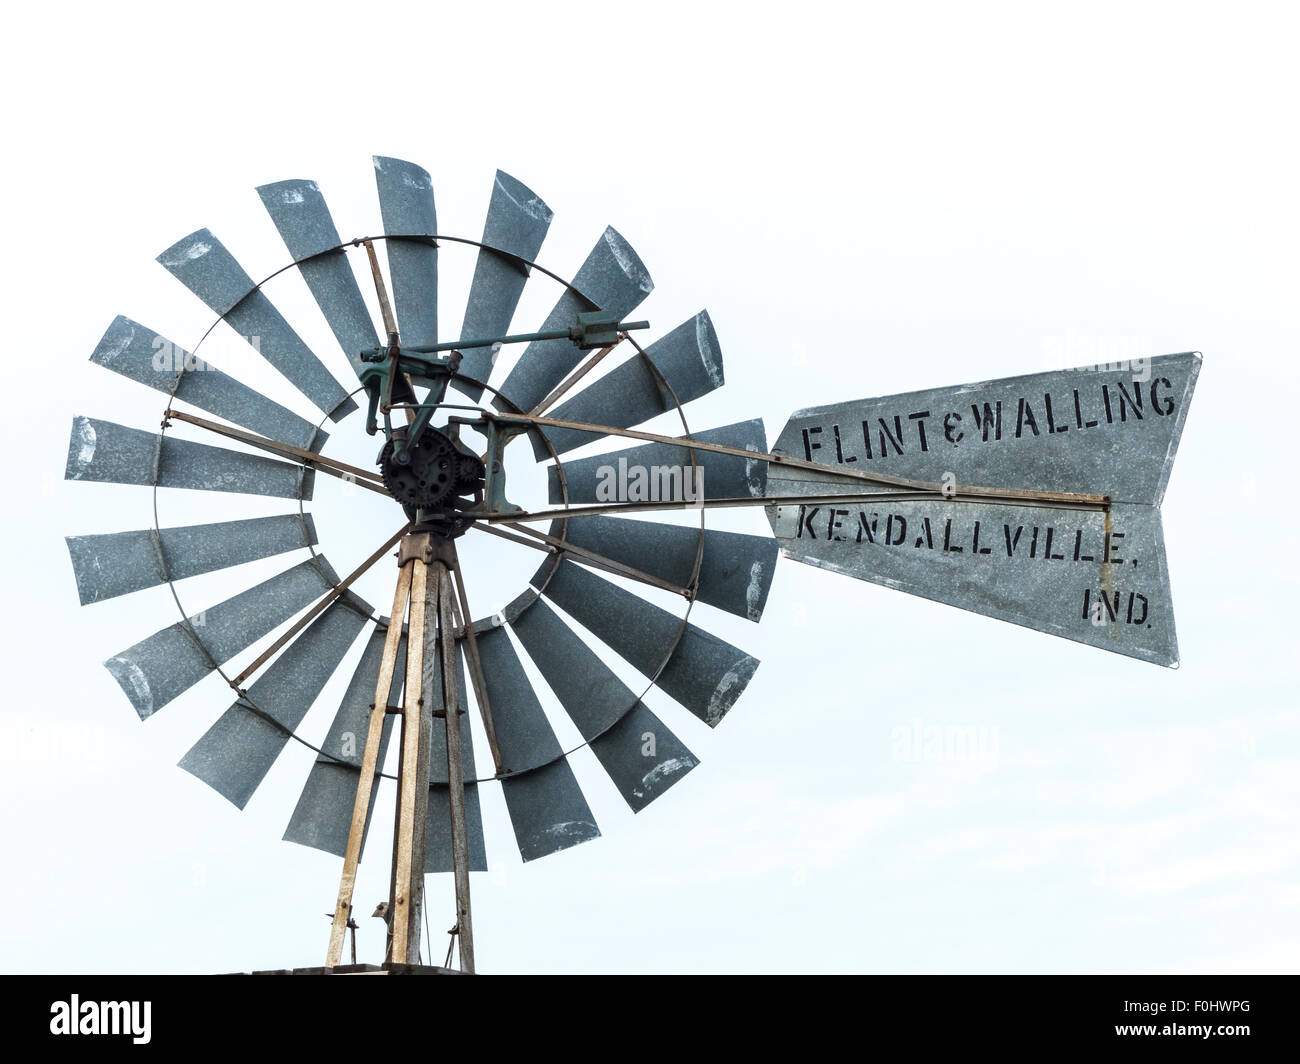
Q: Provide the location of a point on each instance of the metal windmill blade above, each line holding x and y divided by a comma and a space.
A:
423, 669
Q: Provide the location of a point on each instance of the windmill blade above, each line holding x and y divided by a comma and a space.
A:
438, 848
736, 569
110, 453
1097, 578
705, 674
323, 815
406, 204
303, 218
237, 752
119, 563
612, 279
141, 355
517, 221
157, 669
640, 754
201, 262
638, 474
689, 360
547, 809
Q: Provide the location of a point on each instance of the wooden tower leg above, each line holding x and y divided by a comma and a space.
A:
429, 595
369, 770
455, 765
413, 773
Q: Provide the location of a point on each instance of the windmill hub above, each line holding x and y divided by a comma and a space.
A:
431, 475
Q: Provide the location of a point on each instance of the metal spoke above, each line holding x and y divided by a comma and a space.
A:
1096, 502
381, 290
353, 474
566, 385
609, 565
766, 500
316, 610
455, 767
552, 546
457, 576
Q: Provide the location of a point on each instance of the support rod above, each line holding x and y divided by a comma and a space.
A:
455, 765
1097, 502
457, 576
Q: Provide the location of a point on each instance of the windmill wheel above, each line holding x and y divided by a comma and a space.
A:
727, 571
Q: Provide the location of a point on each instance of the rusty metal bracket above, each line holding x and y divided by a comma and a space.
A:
425, 547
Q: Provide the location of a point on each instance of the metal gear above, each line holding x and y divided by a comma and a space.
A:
430, 474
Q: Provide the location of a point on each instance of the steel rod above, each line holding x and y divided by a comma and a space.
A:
457, 576
315, 611
996, 494
766, 500
514, 338
599, 561
381, 290
565, 386
365, 477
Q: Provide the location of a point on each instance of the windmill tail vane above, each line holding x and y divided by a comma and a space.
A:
1033, 499
1091, 569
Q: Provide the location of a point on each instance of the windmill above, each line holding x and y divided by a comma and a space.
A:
1034, 500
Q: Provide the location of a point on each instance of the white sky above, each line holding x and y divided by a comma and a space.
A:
868, 199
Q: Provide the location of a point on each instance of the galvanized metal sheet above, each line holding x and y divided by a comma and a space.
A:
547, 811
201, 262
517, 221
406, 203
437, 850
139, 353
322, 818
303, 218
640, 754
705, 674
545, 803
157, 669
1097, 578
690, 361
623, 475
736, 570
1106, 429
236, 753
121, 562
612, 279
110, 453
524, 736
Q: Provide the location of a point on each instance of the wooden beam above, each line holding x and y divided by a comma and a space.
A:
369, 769
413, 786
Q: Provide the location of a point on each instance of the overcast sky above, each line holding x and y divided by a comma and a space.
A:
868, 199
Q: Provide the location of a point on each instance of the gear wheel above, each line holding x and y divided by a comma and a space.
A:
433, 474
